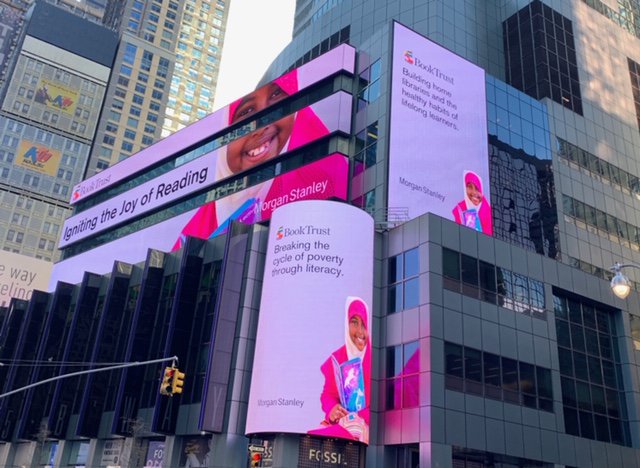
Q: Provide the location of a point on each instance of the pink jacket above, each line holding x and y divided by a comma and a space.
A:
330, 397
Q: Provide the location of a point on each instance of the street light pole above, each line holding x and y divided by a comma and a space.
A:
620, 284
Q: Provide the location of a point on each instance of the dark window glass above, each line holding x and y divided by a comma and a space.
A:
394, 295
395, 269
568, 392
473, 371
469, 269
571, 421
453, 357
451, 264
510, 380
563, 334
566, 362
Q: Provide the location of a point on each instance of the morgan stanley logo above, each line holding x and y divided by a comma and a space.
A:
280, 233
408, 57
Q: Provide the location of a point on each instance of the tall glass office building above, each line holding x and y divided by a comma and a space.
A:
395, 252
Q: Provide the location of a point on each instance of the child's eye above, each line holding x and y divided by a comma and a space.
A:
243, 112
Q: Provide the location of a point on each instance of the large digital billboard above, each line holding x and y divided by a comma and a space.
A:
340, 58
312, 361
322, 179
438, 149
315, 121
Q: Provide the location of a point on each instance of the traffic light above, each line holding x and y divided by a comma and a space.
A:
256, 458
178, 381
167, 381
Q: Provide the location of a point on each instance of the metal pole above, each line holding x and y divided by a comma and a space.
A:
90, 371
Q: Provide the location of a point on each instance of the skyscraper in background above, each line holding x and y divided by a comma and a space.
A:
164, 74
53, 94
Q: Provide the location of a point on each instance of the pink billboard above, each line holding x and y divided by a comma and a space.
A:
322, 179
438, 147
340, 58
329, 115
312, 362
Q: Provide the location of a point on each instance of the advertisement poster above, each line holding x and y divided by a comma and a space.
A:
291, 132
319, 180
196, 452
37, 157
438, 149
312, 364
340, 58
112, 453
56, 96
20, 275
155, 453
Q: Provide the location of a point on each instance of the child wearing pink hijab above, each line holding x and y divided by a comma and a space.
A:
474, 211
339, 422
259, 146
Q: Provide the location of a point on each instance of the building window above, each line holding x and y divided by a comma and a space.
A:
404, 284
147, 59
477, 372
599, 167
129, 54
370, 78
602, 221
163, 68
403, 371
540, 55
481, 280
102, 165
634, 74
367, 145
593, 396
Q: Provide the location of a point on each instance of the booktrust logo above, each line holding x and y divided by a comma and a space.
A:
280, 233
408, 57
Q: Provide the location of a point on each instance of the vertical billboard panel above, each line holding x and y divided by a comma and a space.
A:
438, 153
312, 363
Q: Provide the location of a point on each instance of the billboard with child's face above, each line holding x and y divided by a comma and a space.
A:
329, 115
438, 150
312, 362
340, 58
319, 180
